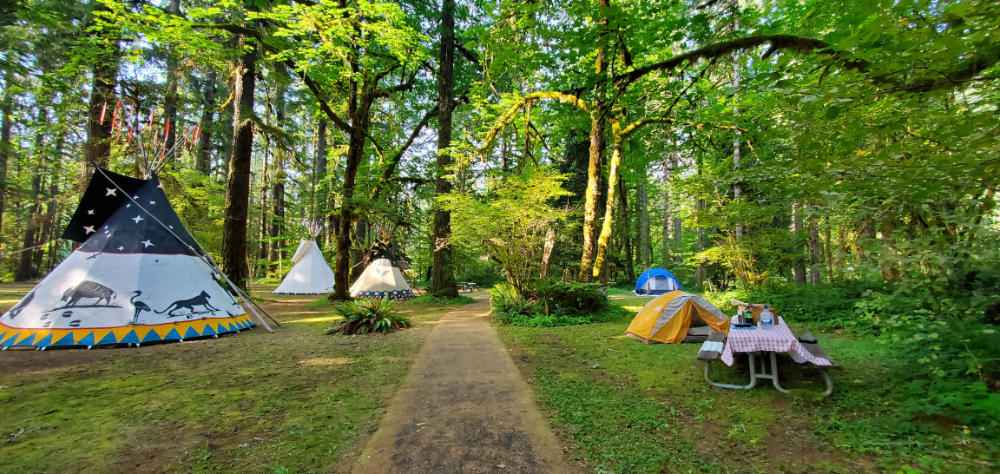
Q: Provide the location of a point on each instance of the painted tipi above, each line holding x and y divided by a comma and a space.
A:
138, 277
382, 277
310, 275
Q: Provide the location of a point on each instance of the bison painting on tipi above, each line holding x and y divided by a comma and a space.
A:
138, 277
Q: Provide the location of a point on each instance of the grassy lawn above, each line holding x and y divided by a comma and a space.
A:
294, 400
624, 406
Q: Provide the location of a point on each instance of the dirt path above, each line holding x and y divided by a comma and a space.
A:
463, 408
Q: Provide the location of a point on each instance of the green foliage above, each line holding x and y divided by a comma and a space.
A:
507, 303
946, 364
430, 299
367, 316
624, 406
509, 220
567, 295
549, 302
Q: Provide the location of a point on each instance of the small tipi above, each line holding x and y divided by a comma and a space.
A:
382, 277
138, 277
310, 275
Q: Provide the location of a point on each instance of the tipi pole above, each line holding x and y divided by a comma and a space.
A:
251, 304
201, 251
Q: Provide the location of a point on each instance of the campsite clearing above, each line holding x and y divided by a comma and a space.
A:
249, 402
297, 400
624, 406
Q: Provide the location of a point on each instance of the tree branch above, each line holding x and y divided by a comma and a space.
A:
394, 162
310, 83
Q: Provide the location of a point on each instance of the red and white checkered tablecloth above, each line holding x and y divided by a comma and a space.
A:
777, 338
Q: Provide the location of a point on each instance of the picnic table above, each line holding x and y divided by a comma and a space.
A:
763, 343
468, 286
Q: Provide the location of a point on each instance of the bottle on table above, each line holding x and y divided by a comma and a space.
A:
766, 316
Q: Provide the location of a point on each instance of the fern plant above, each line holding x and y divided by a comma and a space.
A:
366, 316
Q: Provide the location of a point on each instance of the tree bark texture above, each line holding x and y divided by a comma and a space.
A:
828, 244
6, 124
26, 269
626, 231
597, 124
355, 152
606, 227
97, 149
550, 243
275, 243
591, 195
643, 198
815, 251
799, 267
204, 165
888, 224
442, 273
170, 94
234, 230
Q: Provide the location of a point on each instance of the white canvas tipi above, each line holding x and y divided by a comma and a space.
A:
382, 277
310, 275
138, 277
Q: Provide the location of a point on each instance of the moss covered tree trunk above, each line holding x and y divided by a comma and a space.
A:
442, 273
355, 152
591, 194
6, 124
234, 229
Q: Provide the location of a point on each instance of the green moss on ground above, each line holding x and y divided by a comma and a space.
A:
624, 406
295, 400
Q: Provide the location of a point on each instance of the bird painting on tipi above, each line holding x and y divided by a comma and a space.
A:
137, 277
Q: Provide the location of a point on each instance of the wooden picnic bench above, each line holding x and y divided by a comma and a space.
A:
711, 350
468, 286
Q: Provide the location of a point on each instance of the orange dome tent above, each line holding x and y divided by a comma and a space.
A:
672, 317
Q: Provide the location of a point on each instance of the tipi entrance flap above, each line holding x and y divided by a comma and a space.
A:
302, 251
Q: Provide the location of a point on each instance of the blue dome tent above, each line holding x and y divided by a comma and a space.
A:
656, 281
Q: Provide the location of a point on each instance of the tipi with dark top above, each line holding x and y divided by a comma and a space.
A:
138, 277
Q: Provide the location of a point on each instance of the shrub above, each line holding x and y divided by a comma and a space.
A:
567, 295
507, 303
366, 316
548, 303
